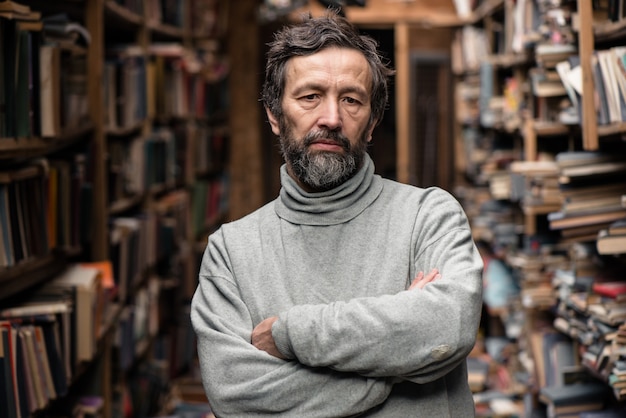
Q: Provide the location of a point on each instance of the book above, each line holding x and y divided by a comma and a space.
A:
617, 227
50, 90
611, 91
611, 289
605, 413
561, 220
575, 394
39, 391
547, 83
602, 107
7, 383
84, 284
609, 243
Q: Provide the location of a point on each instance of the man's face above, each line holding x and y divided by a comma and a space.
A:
325, 127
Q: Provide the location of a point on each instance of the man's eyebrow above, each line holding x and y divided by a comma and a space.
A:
318, 87
354, 89
306, 87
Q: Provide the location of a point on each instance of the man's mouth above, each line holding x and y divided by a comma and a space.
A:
326, 145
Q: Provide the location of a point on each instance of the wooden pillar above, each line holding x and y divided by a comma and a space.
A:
94, 18
403, 148
246, 179
585, 49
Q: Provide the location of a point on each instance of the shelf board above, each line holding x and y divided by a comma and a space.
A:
540, 209
612, 129
165, 30
509, 60
123, 14
608, 30
123, 205
35, 146
544, 128
486, 8
28, 273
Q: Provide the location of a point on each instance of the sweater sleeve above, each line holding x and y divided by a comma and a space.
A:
241, 380
418, 335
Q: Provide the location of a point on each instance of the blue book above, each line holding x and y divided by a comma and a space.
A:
5, 226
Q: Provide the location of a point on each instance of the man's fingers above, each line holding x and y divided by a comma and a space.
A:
422, 280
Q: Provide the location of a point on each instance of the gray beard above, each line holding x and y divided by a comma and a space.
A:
321, 170
324, 170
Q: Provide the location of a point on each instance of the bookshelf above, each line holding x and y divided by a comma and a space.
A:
114, 150
549, 198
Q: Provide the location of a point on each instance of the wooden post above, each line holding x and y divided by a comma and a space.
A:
94, 18
246, 181
403, 146
585, 49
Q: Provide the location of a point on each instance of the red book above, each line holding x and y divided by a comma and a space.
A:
611, 289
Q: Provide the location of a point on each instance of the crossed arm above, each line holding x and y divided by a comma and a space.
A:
263, 339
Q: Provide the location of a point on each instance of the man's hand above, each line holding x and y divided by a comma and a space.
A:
422, 280
262, 337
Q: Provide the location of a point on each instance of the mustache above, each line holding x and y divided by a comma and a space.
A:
335, 136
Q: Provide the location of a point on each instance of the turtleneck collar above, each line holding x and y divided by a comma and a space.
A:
331, 207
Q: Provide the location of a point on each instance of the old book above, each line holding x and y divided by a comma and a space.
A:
605, 413
84, 284
50, 90
8, 385
608, 243
561, 220
610, 85
575, 394
40, 397
611, 289
617, 227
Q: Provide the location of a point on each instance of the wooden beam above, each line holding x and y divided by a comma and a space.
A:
402, 85
424, 13
585, 49
94, 18
246, 181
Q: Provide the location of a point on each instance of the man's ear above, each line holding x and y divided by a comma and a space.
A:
371, 130
273, 121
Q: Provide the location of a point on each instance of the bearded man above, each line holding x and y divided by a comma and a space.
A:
349, 294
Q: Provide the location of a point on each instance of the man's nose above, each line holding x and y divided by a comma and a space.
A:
330, 116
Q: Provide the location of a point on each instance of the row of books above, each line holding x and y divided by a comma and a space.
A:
44, 206
48, 336
174, 154
144, 164
591, 186
209, 199
609, 77
166, 81
212, 148
592, 310
45, 92
142, 242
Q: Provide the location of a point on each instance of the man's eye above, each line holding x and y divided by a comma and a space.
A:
310, 97
351, 100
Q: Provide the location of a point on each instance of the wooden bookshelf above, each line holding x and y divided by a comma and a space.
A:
137, 177
559, 234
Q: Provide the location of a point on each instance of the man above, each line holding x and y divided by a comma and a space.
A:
307, 307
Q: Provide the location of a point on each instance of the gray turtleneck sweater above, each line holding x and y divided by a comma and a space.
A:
334, 267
